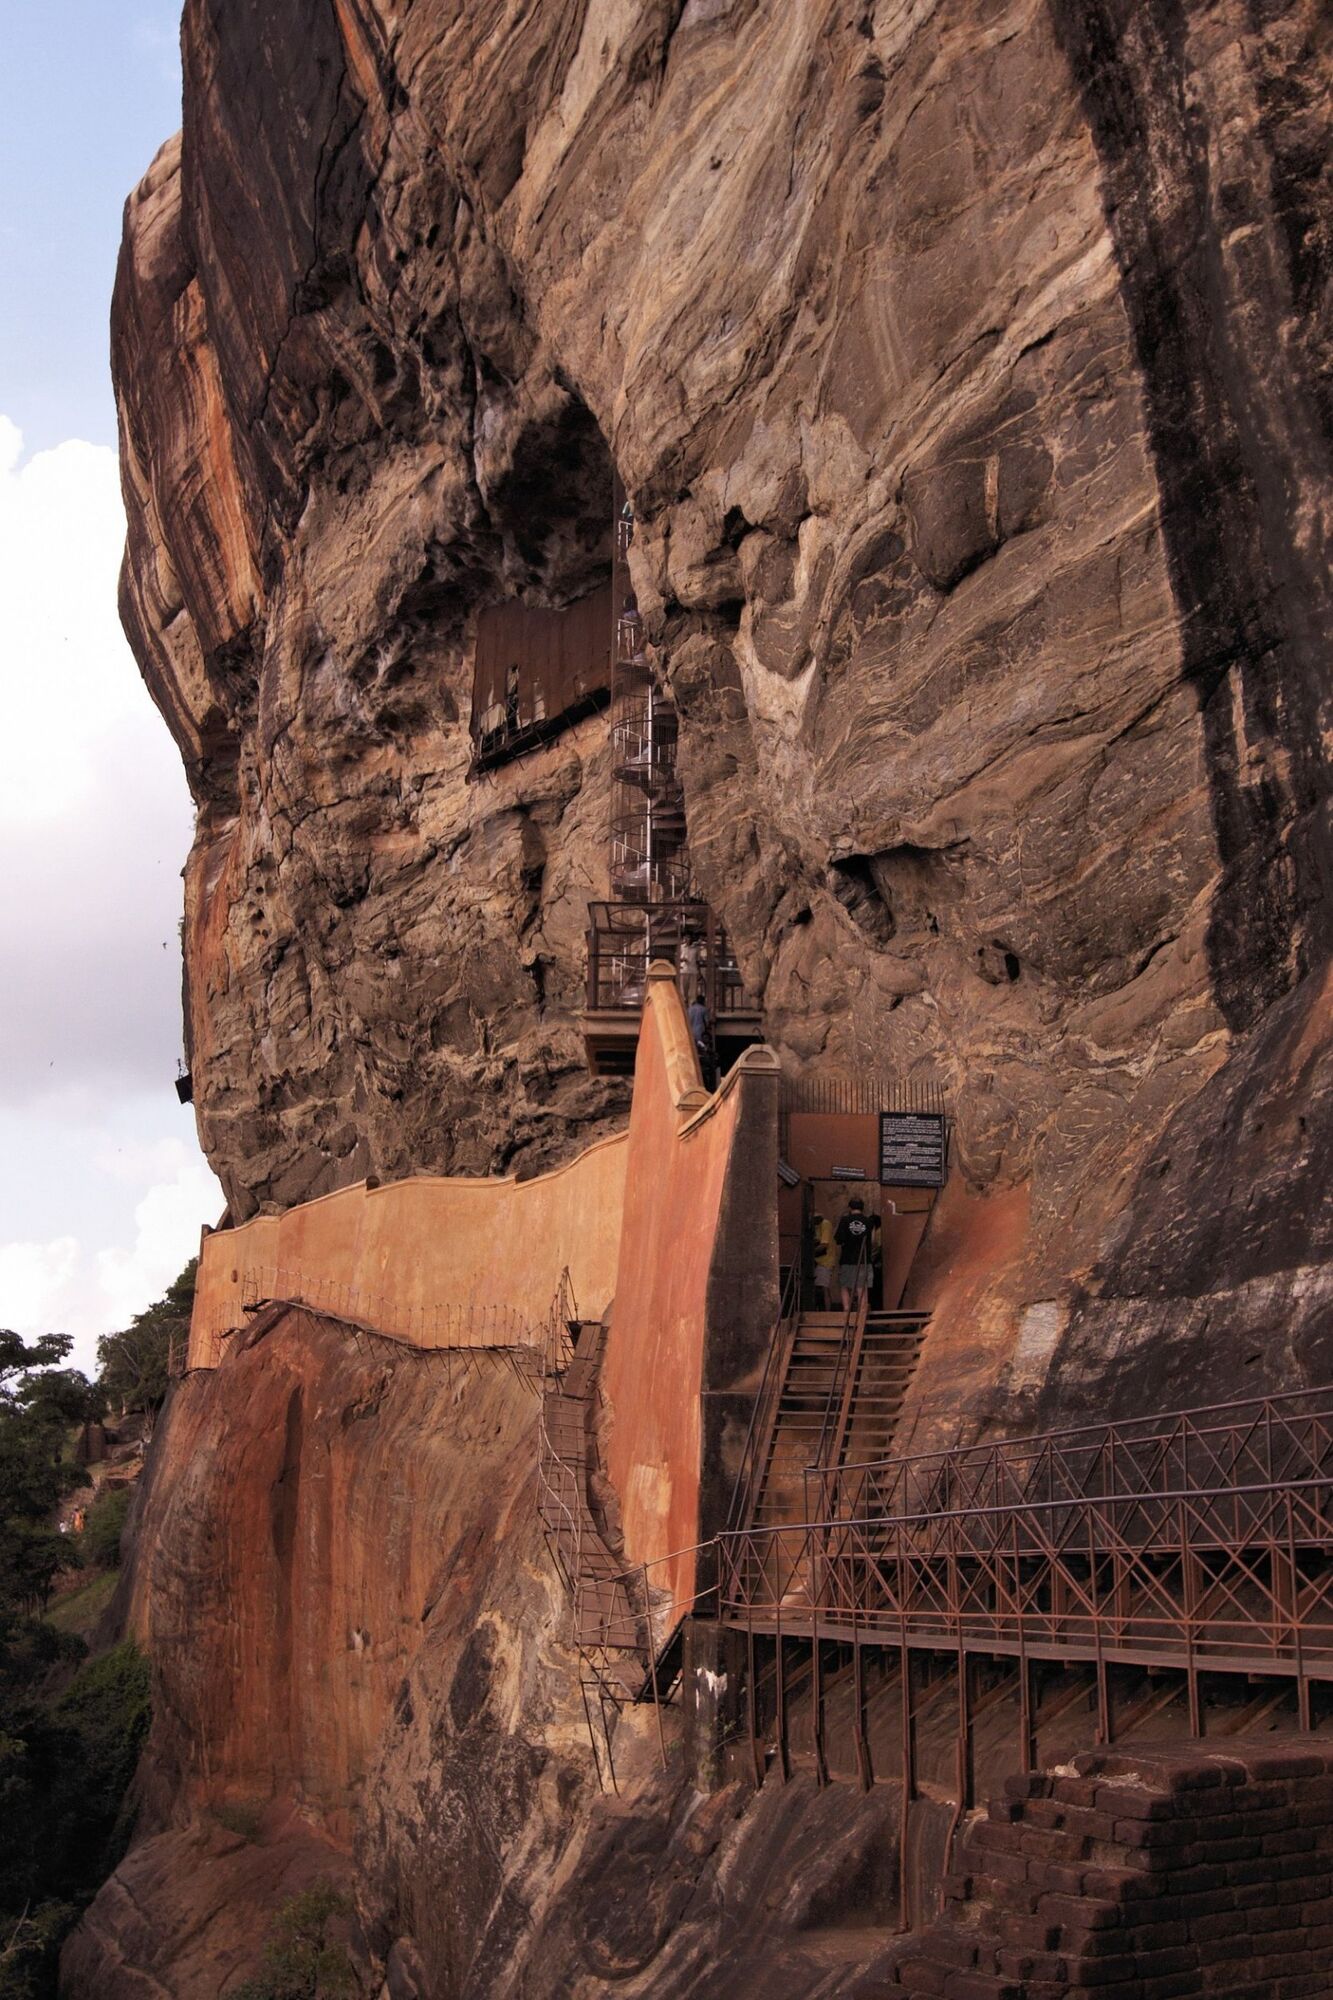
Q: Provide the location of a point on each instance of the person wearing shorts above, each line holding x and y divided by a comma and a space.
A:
853, 1236
825, 1261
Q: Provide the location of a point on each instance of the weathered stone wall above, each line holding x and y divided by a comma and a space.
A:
696, 1293
969, 371
1157, 1875
434, 1262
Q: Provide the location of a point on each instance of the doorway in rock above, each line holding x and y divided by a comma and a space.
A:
541, 645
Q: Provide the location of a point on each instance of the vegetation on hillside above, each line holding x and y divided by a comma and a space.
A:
302, 1961
71, 1726
133, 1366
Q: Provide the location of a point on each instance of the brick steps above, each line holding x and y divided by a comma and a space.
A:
1152, 1875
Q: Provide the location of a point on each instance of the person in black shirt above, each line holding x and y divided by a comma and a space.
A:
854, 1238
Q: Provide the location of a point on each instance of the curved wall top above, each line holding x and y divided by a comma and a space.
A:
696, 1294
432, 1261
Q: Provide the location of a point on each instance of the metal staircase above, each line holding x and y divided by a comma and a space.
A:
884, 1366
626, 1652
832, 1396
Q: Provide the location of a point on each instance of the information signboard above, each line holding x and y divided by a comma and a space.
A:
911, 1149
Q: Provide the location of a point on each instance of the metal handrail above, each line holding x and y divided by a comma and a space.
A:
1042, 1440
1226, 1444
853, 1329
765, 1402
643, 931
880, 1522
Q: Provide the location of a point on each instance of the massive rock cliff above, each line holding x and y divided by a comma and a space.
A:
363, 1674
968, 365
969, 370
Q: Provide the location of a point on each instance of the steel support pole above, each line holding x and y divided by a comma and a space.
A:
1303, 1710
1187, 1587
652, 1665
909, 1783
859, 1714
752, 1699
780, 1669
817, 1686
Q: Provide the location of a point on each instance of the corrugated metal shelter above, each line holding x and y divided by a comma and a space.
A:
537, 671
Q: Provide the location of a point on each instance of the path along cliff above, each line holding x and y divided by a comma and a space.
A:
968, 370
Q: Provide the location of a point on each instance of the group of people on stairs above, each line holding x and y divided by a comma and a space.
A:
848, 1254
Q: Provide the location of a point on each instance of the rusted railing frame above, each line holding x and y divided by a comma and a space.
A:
456, 1326
964, 1582
837, 1409
654, 930
1265, 1437
758, 1436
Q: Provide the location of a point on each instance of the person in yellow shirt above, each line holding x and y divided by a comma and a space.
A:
825, 1257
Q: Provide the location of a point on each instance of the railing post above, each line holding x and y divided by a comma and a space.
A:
1298, 1635
753, 1701
1103, 1691
780, 1696
652, 1666
816, 1676
1187, 1589
859, 1709
909, 1781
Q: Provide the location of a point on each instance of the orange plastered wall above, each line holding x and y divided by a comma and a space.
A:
433, 1261
652, 1369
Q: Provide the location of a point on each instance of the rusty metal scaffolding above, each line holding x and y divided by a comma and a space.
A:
625, 938
615, 1628
649, 861
1256, 1441
1202, 1541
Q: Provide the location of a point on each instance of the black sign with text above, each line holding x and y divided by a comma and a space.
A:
911, 1149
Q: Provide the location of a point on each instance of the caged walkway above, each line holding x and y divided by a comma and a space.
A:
1200, 1542
627, 1645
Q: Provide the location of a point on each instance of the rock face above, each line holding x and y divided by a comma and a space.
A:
969, 367
362, 1674
969, 370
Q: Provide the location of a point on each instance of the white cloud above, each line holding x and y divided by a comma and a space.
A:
35, 1280
66, 1286
101, 1195
167, 1219
95, 818
67, 671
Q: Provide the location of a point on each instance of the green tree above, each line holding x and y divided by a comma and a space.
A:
65, 1395
65, 1758
34, 1472
105, 1525
134, 1364
301, 1962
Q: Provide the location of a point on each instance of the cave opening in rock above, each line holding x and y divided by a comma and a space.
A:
542, 650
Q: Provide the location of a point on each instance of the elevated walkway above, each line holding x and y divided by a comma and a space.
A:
1198, 1542
624, 940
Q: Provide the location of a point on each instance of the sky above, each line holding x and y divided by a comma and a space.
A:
102, 1185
